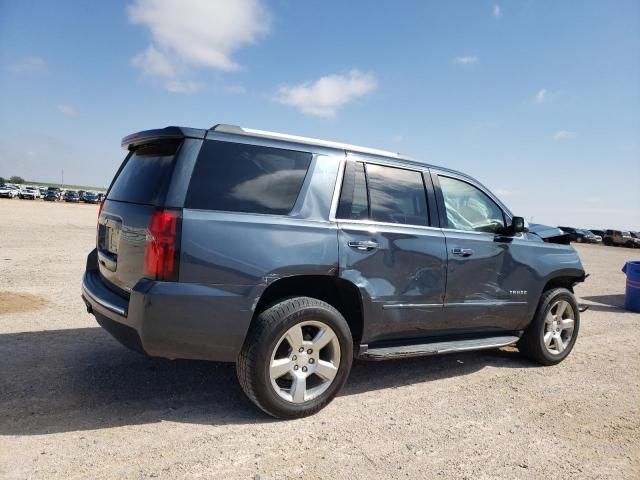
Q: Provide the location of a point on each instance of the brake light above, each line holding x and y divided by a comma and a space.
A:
98, 223
162, 249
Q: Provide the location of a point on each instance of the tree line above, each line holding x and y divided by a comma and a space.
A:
14, 179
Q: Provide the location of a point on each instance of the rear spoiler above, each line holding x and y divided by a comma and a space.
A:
169, 133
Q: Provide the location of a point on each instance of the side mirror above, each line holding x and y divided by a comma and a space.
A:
518, 225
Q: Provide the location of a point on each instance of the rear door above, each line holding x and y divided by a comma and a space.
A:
391, 249
140, 186
488, 280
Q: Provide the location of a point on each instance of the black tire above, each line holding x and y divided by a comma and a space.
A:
531, 343
263, 337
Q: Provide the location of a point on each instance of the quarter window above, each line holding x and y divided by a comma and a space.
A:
468, 208
237, 177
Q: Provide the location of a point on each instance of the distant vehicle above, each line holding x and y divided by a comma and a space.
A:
90, 197
81, 194
598, 233
9, 191
72, 196
30, 193
620, 238
588, 236
43, 191
101, 197
575, 234
52, 196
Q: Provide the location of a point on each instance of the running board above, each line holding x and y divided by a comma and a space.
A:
405, 351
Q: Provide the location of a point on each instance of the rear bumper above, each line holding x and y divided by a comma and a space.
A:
171, 319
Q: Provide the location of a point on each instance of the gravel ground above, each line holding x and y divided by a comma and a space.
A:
75, 404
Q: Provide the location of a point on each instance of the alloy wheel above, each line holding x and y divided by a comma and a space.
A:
304, 362
559, 324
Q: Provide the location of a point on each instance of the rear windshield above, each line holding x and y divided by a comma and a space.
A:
145, 175
235, 177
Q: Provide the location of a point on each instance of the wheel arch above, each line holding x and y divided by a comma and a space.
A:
342, 294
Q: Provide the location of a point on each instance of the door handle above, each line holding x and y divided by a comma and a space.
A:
462, 252
368, 245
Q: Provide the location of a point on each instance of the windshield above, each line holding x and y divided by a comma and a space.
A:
626, 234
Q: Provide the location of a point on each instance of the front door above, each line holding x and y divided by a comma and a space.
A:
486, 283
390, 250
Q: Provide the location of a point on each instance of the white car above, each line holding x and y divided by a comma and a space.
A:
30, 193
9, 191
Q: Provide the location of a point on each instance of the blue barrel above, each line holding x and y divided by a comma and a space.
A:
632, 295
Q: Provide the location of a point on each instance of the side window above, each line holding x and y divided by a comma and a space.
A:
397, 195
469, 208
236, 177
354, 204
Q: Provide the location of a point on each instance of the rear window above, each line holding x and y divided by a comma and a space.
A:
236, 177
145, 175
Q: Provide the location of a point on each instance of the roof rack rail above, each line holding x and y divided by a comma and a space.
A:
236, 130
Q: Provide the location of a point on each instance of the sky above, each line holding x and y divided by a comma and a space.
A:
538, 100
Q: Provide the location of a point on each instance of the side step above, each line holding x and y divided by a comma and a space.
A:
405, 351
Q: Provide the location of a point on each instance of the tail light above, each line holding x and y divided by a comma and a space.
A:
162, 247
98, 222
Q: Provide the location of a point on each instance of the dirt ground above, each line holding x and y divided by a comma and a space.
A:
75, 404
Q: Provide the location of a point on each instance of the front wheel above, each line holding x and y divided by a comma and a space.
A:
296, 357
552, 334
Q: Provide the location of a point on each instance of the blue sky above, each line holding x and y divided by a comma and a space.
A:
539, 100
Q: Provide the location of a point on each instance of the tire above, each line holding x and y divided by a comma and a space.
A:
533, 345
268, 341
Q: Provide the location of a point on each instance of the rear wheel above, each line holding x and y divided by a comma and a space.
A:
552, 334
296, 357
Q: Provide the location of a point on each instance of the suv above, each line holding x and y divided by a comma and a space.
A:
620, 238
292, 256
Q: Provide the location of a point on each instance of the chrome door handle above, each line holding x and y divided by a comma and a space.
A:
368, 245
462, 252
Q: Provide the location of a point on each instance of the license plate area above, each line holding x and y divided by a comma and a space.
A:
112, 239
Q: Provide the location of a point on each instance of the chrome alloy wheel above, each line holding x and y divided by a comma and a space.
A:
559, 324
304, 361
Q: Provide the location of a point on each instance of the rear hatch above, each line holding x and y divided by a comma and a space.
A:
134, 200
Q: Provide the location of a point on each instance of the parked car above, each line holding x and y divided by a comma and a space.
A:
574, 234
43, 192
9, 191
598, 233
586, 236
71, 196
291, 256
52, 196
81, 194
101, 197
90, 197
620, 238
30, 193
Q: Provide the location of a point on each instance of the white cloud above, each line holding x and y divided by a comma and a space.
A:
497, 11
235, 89
193, 34
67, 110
323, 97
540, 96
544, 96
182, 86
466, 60
29, 65
563, 135
155, 63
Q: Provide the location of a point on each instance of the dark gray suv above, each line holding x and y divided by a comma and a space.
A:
292, 256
